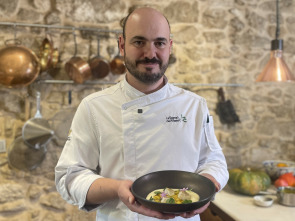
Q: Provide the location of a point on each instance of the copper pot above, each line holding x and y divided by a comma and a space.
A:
100, 67
117, 65
19, 66
78, 70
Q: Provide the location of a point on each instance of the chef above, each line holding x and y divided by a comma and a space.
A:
140, 125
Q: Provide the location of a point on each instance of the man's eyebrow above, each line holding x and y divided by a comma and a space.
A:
161, 39
145, 39
138, 38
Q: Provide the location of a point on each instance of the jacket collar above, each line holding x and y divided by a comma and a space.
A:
137, 98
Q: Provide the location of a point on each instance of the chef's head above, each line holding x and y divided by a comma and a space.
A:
146, 44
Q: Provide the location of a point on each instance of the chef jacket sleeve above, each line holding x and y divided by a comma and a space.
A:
76, 168
212, 159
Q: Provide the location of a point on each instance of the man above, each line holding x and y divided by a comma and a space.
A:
141, 125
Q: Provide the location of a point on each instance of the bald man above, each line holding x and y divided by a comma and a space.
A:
129, 129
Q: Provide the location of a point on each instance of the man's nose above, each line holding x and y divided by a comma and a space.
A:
150, 51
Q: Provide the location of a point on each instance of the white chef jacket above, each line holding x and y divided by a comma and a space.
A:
122, 133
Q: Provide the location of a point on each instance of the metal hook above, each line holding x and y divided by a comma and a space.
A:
98, 46
75, 42
14, 28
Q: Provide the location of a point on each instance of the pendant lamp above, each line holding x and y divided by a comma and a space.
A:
276, 69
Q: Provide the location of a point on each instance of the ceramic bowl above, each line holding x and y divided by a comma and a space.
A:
275, 168
264, 201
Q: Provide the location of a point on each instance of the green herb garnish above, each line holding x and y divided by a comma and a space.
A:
170, 200
186, 201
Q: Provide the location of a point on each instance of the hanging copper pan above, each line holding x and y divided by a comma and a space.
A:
100, 67
77, 68
117, 64
19, 66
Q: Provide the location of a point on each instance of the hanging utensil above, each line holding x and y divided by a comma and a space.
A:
225, 109
45, 54
36, 132
48, 54
100, 68
77, 69
172, 59
117, 64
19, 66
24, 157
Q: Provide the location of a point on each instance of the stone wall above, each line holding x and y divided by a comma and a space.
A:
215, 41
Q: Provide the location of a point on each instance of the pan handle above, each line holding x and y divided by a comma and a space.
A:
221, 94
38, 112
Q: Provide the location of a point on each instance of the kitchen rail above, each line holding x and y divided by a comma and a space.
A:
110, 83
15, 24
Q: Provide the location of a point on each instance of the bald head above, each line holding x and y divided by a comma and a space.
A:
143, 15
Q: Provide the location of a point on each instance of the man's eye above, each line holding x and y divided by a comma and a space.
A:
160, 44
138, 43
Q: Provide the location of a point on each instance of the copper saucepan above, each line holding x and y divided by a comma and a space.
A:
117, 64
19, 66
77, 68
100, 68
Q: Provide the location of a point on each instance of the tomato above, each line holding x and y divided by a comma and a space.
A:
280, 182
289, 178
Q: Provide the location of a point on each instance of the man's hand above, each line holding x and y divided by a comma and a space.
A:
194, 212
128, 199
210, 177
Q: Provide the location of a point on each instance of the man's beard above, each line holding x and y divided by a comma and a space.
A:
147, 76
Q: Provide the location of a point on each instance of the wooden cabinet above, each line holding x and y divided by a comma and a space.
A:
214, 213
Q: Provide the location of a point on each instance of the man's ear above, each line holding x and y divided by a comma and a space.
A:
121, 45
171, 46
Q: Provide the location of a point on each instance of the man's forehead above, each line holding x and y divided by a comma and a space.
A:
147, 30
148, 19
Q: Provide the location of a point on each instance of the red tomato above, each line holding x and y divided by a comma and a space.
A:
280, 182
289, 178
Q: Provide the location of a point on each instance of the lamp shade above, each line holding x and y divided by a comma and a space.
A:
276, 69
